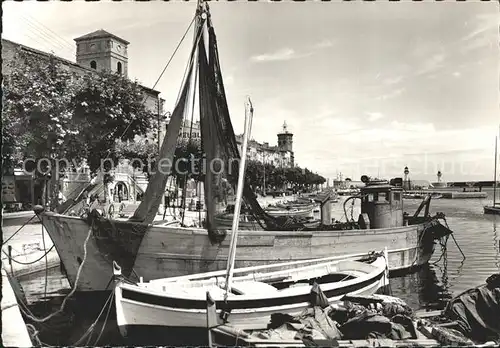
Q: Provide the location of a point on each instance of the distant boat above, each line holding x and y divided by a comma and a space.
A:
495, 208
290, 211
439, 184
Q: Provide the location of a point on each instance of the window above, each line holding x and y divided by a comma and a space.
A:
93, 64
119, 67
397, 196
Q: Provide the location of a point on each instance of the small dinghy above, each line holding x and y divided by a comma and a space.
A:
255, 294
290, 211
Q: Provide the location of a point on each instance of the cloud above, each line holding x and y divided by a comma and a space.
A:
324, 44
484, 22
285, 54
373, 116
392, 94
412, 127
456, 74
393, 80
280, 55
339, 125
431, 64
478, 37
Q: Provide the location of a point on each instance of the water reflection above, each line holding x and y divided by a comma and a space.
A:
422, 289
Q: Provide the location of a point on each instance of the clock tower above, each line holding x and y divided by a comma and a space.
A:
101, 50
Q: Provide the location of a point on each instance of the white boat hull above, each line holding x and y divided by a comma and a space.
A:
171, 251
133, 313
298, 212
173, 303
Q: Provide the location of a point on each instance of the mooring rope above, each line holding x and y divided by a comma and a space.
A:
70, 294
19, 229
28, 263
88, 333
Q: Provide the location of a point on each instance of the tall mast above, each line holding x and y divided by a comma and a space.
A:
239, 195
192, 97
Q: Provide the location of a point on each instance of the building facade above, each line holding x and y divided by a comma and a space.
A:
279, 156
189, 130
96, 51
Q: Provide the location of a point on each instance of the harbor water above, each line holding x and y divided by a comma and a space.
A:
447, 275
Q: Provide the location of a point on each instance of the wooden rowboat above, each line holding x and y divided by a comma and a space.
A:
257, 292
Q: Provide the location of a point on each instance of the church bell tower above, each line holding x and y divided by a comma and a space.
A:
285, 142
101, 50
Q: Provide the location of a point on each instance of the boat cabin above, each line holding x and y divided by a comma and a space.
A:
381, 206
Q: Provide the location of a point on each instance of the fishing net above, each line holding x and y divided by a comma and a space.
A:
221, 147
120, 241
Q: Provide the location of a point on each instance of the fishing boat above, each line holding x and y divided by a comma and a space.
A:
290, 211
88, 244
256, 293
495, 208
247, 297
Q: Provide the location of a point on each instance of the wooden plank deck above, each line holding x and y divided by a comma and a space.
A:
14, 331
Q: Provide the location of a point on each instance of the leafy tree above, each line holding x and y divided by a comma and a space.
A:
37, 115
280, 177
108, 107
48, 113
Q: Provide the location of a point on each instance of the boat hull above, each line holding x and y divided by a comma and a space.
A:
492, 210
302, 212
170, 251
139, 307
135, 317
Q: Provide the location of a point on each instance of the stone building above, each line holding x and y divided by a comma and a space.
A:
188, 129
279, 156
96, 51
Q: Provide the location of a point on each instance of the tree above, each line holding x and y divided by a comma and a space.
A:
52, 115
108, 107
37, 115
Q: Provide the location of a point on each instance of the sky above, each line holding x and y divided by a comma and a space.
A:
366, 87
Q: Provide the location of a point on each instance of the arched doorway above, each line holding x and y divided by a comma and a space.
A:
121, 192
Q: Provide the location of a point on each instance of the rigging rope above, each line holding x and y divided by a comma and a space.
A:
158, 80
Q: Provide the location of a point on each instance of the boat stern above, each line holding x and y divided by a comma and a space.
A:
120, 316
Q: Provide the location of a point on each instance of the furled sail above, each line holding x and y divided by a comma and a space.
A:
219, 142
218, 139
153, 196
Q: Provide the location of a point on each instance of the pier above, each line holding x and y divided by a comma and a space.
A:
14, 331
448, 194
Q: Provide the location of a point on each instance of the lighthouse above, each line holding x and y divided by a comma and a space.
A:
440, 183
406, 181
